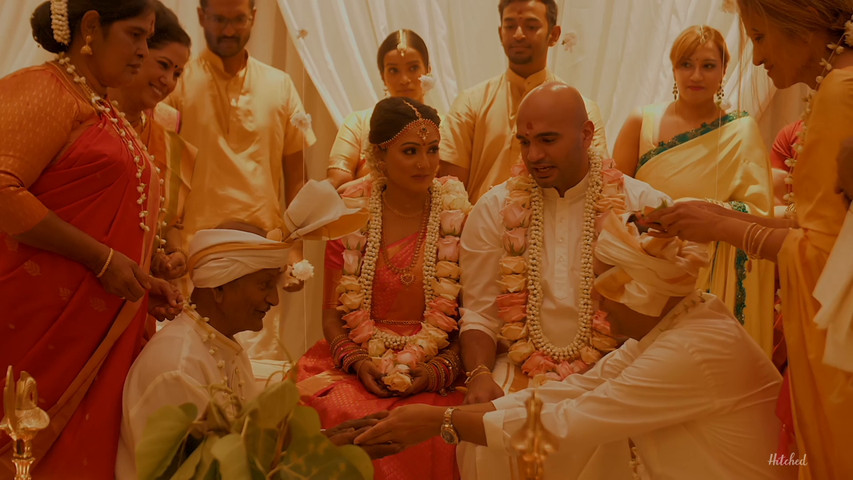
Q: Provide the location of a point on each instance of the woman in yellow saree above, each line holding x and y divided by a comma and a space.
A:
800, 42
707, 153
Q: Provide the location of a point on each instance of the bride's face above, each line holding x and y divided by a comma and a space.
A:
699, 74
411, 162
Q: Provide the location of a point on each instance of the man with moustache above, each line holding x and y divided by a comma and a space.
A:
240, 114
477, 135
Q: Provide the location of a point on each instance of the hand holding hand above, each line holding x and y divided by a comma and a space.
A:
169, 266
164, 300
123, 277
406, 426
344, 434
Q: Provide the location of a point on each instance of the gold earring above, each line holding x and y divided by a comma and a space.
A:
721, 94
87, 49
674, 91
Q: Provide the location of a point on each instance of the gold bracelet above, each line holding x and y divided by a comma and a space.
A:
761, 243
745, 240
753, 240
476, 371
106, 264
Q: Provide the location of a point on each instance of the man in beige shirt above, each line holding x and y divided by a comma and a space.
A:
240, 114
478, 142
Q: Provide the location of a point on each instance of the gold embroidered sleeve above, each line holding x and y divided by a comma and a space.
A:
37, 117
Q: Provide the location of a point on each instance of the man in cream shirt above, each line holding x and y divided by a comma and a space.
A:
478, 143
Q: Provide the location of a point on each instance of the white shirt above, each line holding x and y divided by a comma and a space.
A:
174, 368
696, 395
482, 249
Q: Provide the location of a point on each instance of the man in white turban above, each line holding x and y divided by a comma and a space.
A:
688, 395
237, 272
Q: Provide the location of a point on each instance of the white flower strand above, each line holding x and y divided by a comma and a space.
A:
368, 264
138, 151
834, 49
59, 21
534, 279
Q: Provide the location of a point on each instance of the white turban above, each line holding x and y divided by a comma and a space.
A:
646, 271
219, 256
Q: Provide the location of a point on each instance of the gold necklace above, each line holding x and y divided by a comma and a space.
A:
404, 215
405, 273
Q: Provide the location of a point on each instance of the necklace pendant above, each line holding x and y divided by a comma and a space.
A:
407, 278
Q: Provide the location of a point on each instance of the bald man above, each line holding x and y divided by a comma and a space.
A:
555, 136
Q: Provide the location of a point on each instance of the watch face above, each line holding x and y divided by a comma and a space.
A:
448, 434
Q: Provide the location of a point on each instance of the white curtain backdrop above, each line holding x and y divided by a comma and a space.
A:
620, 59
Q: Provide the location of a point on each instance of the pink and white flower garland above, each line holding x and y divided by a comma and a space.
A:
395, 355
519, 306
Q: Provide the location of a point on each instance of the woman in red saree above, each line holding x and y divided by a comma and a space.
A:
78, 213
391, 292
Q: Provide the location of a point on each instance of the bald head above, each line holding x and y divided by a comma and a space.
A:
555, 133
565, 102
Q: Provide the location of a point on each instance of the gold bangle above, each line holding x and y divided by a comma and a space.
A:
746, 237
106, 264
761, 243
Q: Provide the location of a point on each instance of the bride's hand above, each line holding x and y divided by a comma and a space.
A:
371, 377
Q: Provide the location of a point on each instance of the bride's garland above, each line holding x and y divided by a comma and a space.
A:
395, 355
520, 303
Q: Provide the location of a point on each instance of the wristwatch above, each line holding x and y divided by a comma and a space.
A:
448, 433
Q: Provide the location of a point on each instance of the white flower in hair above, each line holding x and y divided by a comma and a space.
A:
427, 82
301, 121
59, 21
729, 6
302, 270
570, 40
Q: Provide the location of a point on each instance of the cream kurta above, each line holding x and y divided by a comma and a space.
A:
242, 128
479, 132
482, 249
349, 152
176, 367
695, 395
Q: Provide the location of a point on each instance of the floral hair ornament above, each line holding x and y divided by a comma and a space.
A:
428, 82
402, 44
59, 21
420, 123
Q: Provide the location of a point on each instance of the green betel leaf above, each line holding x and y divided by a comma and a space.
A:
188, 469
260, 444
208, 468
231, 455
162, 438
273, 405
311, 455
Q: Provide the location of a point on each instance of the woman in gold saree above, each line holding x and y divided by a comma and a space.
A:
801, 42
693, 148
